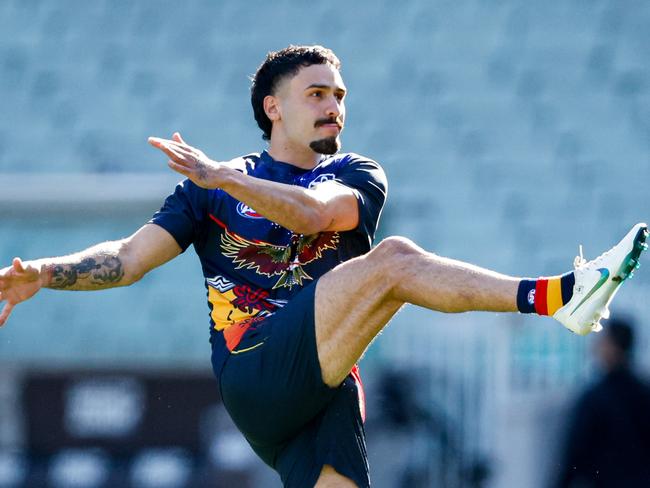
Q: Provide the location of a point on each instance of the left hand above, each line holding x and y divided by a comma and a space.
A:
189, 161
18, 282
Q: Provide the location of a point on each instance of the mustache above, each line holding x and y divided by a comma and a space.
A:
332, 120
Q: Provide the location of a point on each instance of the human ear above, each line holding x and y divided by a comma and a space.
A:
272, 107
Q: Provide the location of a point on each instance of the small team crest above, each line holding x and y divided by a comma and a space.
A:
245, 211
322, 179
531, 297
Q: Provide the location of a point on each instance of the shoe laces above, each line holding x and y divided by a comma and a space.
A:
579, 260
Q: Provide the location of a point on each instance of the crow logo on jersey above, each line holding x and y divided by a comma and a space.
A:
276, 260
272, 260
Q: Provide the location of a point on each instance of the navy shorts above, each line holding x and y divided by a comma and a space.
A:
274, 392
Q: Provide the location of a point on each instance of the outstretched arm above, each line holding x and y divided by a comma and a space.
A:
329, 206
106, 265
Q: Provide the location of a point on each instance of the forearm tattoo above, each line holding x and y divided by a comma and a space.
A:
91, 273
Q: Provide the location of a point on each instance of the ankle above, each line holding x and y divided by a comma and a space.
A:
545, 295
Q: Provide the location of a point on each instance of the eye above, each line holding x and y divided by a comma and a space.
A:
339, 96
316, 94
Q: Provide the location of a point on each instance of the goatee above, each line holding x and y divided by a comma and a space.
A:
329, 145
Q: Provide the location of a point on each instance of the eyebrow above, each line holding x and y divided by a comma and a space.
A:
326, 87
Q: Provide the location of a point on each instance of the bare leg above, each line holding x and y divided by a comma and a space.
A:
356, 299
329, 478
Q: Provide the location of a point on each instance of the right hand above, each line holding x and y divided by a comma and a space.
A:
18, 283
189, 161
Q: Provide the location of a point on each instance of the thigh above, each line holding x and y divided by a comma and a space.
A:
353, 304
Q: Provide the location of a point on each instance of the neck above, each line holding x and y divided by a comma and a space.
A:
301, 157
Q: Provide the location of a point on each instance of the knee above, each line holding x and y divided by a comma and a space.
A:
397, 247
395, 256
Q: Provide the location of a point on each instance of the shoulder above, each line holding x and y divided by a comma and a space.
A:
351, 163
350, 158
356, 171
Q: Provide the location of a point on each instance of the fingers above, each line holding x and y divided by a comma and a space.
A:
179, 168
184, 159
163, 144
6, 311
160, 142
176, 142
180, 153
186, 151
166, 148
20, 269
182, 147
18, 265
177, 137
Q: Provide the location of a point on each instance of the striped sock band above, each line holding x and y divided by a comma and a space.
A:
545, 296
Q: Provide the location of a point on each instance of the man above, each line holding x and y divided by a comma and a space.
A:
296, 294
608, 442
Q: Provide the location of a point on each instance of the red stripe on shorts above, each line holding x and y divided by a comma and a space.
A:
356, 374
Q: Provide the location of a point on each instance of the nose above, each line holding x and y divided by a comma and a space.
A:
335, 107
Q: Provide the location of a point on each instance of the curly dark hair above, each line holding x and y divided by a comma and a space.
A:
276, 66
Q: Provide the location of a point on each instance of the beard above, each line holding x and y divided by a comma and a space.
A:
329, 145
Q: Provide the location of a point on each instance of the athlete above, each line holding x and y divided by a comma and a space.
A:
295, 290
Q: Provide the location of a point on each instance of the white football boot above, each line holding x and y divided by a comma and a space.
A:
597, 281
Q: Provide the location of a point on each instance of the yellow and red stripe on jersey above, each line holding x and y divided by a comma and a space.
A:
233, 306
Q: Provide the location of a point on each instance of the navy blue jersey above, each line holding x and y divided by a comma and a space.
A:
253, 266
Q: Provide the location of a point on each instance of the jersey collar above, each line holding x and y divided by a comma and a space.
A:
285, 168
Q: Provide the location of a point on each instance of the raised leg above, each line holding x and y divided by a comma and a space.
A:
355, 300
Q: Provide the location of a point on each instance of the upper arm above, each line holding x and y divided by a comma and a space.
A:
359, 193
340, 208
149, 247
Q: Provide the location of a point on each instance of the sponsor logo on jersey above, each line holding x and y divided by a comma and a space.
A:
245, 211
322, 179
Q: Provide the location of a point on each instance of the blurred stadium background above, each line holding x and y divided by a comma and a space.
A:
511, 131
